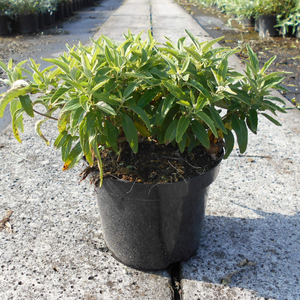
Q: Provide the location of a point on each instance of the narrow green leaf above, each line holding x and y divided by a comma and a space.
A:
63, 66
209, 44
10, 95
229, 143
106, 108
253, 59
252, 120
27, 105
141, 113
182, 126
61, 138
95, 150
130, 89
201, 133
74, 157
271, 119
182, 143
204, 117
171, 132
58, 93
241, 131
130, 132
175, 90
217, 119
112, 135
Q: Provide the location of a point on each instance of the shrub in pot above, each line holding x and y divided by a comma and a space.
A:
150, 121
25, 13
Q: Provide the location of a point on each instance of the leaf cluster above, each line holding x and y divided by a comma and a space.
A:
107, 94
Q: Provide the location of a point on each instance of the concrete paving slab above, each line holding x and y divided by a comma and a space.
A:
55, 249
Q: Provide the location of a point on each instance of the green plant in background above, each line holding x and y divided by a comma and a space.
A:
109, 95
4, 7
290, 18
24, 7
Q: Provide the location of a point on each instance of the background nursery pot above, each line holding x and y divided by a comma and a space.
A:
129, 109
150, 226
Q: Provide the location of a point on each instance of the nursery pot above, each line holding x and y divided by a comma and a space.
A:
266, 26
27, 23
150, 226
66, 9
248, 22
41, 21
4, 25
59, 14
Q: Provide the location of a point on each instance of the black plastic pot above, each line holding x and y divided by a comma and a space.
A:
27, 23
66, 9
266, 26
248, 22
59, 13
150, 226
41, 21
4, 25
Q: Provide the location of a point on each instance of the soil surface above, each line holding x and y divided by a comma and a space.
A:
155, 163
286, 49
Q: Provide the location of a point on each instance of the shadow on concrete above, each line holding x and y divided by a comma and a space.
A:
268, 246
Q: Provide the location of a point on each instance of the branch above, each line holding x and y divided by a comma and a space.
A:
45, 115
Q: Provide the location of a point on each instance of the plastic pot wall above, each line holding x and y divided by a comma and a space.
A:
266, 26
150, 226
4, 25
27, 23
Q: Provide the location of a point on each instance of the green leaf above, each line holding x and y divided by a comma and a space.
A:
182, 143
10, 95
95, 150
71, 105
74, 157
58, 93
130, 132
204, 117
252, 120
229, 143
271, 119
112, 135
241, 131
175, 90
201, 88
182, 126
141, 113
59, 141
217, 119
106, 108
66, 147
253, 59
201, 134
147, 97
63, 66
209, 44
27, 105
39, 132
171, 132
267, 65
130, 89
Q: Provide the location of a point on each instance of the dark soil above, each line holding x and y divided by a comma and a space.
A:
286, 49
155, 163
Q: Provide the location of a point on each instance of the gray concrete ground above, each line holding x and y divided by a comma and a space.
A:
250, 247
